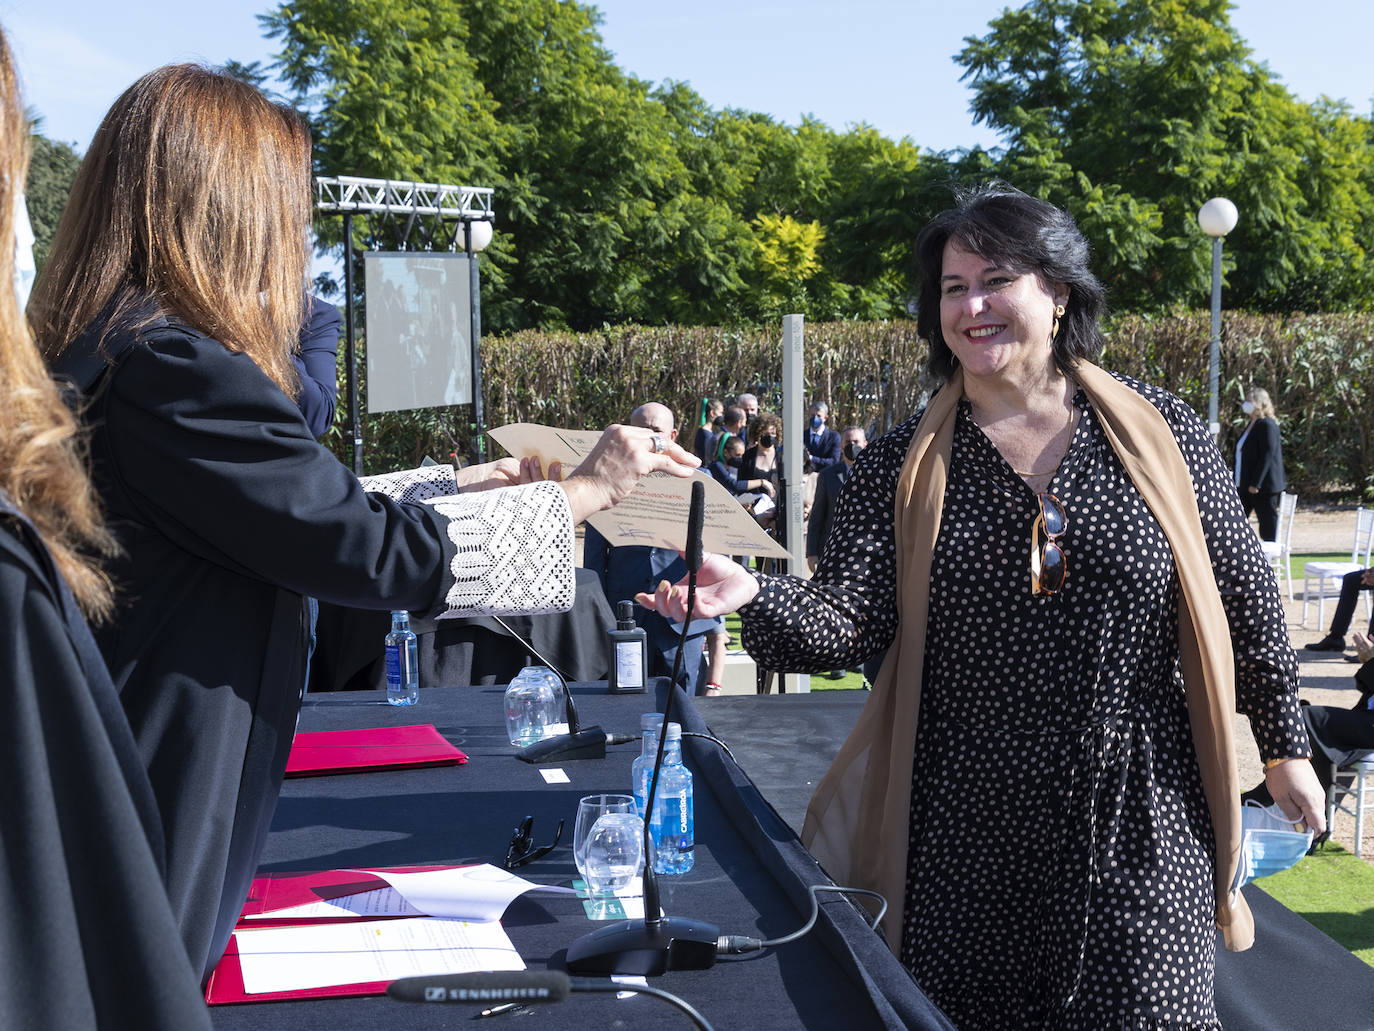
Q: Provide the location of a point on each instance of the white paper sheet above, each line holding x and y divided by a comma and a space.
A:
282, 959
655, 513
466, 893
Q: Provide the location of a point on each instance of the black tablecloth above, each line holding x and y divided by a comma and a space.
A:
1294, 976
749, 877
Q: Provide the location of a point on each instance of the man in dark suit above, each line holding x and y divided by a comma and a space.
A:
822, 443
1339, 737
828, 486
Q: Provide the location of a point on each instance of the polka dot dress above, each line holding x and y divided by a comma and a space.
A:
1060, 858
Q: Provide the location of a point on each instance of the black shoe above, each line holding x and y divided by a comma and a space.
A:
1353, 658
1318, 841
1329, 643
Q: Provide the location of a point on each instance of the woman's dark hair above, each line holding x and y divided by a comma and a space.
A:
1022, 234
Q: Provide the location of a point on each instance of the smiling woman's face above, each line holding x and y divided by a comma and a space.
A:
996, 321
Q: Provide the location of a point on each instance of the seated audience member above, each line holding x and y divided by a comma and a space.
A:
762, 463
88, 940
625, 571
1338, 736
1351, 586
712, 421
727, 472
822, 443
762, 459
732, 425
171, 299
749, 404
829, 483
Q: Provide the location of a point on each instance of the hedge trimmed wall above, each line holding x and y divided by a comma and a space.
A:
1316, 367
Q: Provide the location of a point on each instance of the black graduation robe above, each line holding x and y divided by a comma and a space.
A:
88, 939
228, 512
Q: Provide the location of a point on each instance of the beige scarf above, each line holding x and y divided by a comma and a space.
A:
859, 819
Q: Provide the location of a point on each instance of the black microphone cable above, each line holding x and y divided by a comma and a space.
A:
739, 944
580, 984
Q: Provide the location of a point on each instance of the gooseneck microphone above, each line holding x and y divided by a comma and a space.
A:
657, 943
579, 742
489, 986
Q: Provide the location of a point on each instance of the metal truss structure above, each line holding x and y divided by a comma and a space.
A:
436, 216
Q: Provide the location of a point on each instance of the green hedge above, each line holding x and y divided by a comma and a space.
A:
1317, 367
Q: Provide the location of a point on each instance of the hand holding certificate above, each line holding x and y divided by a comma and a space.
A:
654, 513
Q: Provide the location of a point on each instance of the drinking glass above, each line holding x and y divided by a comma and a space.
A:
615, 849
589, 810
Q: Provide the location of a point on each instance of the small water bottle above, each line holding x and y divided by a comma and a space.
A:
402, 662
643, 765
673, 827
629, 652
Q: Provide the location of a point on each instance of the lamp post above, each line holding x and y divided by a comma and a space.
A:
1217, 218
476, 236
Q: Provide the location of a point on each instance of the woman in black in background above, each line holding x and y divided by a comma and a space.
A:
1259, 463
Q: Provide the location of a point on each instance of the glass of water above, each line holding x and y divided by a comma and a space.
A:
615, 850
589, 810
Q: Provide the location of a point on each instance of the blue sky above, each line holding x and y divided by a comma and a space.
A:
884, 62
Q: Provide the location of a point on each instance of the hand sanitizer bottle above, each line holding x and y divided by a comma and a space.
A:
629, 652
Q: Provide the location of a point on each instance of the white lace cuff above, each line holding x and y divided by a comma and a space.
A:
412, 485
515, 550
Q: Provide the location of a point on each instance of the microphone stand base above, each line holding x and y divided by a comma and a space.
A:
637, 947
587, 743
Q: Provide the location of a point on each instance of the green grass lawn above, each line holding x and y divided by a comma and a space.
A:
1298, 563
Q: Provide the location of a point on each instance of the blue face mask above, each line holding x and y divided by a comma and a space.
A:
817, 422
1269, 843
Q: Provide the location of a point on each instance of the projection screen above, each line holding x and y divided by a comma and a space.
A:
419, 330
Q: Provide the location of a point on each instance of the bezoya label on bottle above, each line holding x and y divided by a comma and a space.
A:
629, 664
397, 664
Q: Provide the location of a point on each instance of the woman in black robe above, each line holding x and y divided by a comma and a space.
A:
172, 300
84, 939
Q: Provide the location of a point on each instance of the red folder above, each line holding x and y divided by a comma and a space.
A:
358, 751
281, 891
226, 985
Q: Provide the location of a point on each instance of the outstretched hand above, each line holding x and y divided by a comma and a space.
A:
723, 585
621, 457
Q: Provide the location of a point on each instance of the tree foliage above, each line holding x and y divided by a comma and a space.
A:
623, 201
52, 170
1132, 113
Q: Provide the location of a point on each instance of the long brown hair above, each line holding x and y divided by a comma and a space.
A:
42, 467
194, 196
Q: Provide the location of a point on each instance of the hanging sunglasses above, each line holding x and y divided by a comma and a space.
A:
1048, 560
522, 849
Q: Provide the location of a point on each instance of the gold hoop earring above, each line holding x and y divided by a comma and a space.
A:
1058, 314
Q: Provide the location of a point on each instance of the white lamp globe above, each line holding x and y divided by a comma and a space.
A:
481, 234
1217, 217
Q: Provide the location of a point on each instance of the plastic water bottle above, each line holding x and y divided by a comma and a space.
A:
402, 662
673, 827
643, 766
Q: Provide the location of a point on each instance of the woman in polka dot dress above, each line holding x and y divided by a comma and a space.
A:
1060, 840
